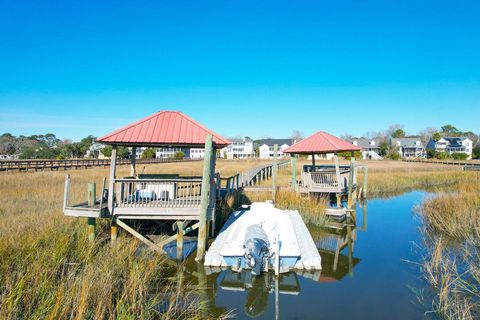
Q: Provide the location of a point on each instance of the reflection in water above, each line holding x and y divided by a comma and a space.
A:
335, 241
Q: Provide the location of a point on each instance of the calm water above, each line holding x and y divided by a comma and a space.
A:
374, 282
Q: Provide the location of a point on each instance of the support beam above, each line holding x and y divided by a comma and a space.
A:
337, 172
293, 159
274, 171
313, 163
91, 199
133, 159
137, 235
204, 201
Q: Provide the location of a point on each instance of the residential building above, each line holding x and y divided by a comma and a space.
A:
197, 153
5, 156
370, 148
95, 151
166, 153
452, 145
265, 147
240, 148
411, 147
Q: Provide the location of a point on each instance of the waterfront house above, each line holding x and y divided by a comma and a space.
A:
265, 147
370, 148
411, 147
240, 148
452, 145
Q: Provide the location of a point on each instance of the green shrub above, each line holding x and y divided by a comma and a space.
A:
393, 155
459, 156
179, 155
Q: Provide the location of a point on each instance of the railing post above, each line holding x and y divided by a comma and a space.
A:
204, 202
91, 198
274, 172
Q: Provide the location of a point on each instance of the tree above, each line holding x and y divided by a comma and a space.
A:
398, 133
392, 128
179, 155
297, 135
148, 153
476, 151
383, 148
436, 136
449, 129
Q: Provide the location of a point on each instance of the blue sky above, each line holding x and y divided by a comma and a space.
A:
260, 68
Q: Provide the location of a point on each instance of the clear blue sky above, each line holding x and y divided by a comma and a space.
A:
240, 67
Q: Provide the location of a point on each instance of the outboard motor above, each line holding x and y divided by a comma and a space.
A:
256, 248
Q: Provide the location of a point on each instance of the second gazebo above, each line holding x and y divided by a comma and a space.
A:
324, 179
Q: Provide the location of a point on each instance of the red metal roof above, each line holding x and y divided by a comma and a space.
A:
164, 128
321, 142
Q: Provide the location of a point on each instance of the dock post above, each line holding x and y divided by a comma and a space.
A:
204, 201
91, 199
365, 179
294, 172
350, 182
179, 240
274, 171
133, 158
113, 230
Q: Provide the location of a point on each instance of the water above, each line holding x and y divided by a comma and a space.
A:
375, 282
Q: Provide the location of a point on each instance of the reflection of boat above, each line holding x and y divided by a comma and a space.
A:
264, 238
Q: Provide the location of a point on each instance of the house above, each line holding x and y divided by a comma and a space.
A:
240, 148
95, 151
411, 147
452, 145
5, 156
265, 147
197, 153
370, 148
170, 152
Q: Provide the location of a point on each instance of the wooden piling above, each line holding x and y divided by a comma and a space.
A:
113, 230
350, 183
204, 201
293, 159
365, 179
179, 240
91, 199
133, 158
274, 171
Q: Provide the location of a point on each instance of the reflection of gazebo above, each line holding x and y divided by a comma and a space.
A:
161, 196
323, 178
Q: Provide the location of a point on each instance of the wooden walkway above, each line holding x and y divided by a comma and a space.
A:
467, 166
55, 165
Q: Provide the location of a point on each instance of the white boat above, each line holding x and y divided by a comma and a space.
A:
263, 238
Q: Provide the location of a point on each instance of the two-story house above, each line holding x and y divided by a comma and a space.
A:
452, 145
370, 148
167, 153
240, 148
411, 147
265, 147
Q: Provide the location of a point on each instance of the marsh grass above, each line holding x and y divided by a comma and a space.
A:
452, 242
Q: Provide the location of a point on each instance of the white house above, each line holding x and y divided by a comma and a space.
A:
370, 148
265, 147
95, 151
452, 145
166, 153
197, 153
238, 149
411, 147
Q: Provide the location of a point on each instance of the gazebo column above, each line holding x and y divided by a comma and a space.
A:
204, 202
313, 162
133, 159
111, 185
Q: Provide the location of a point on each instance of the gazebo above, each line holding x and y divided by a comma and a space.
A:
161, 196
327, 179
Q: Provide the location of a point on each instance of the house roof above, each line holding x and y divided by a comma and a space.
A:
407, 142
321, 142
164, 128
272, 142
455, 142
364, 143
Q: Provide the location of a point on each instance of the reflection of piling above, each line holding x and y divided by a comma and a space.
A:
203, 291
